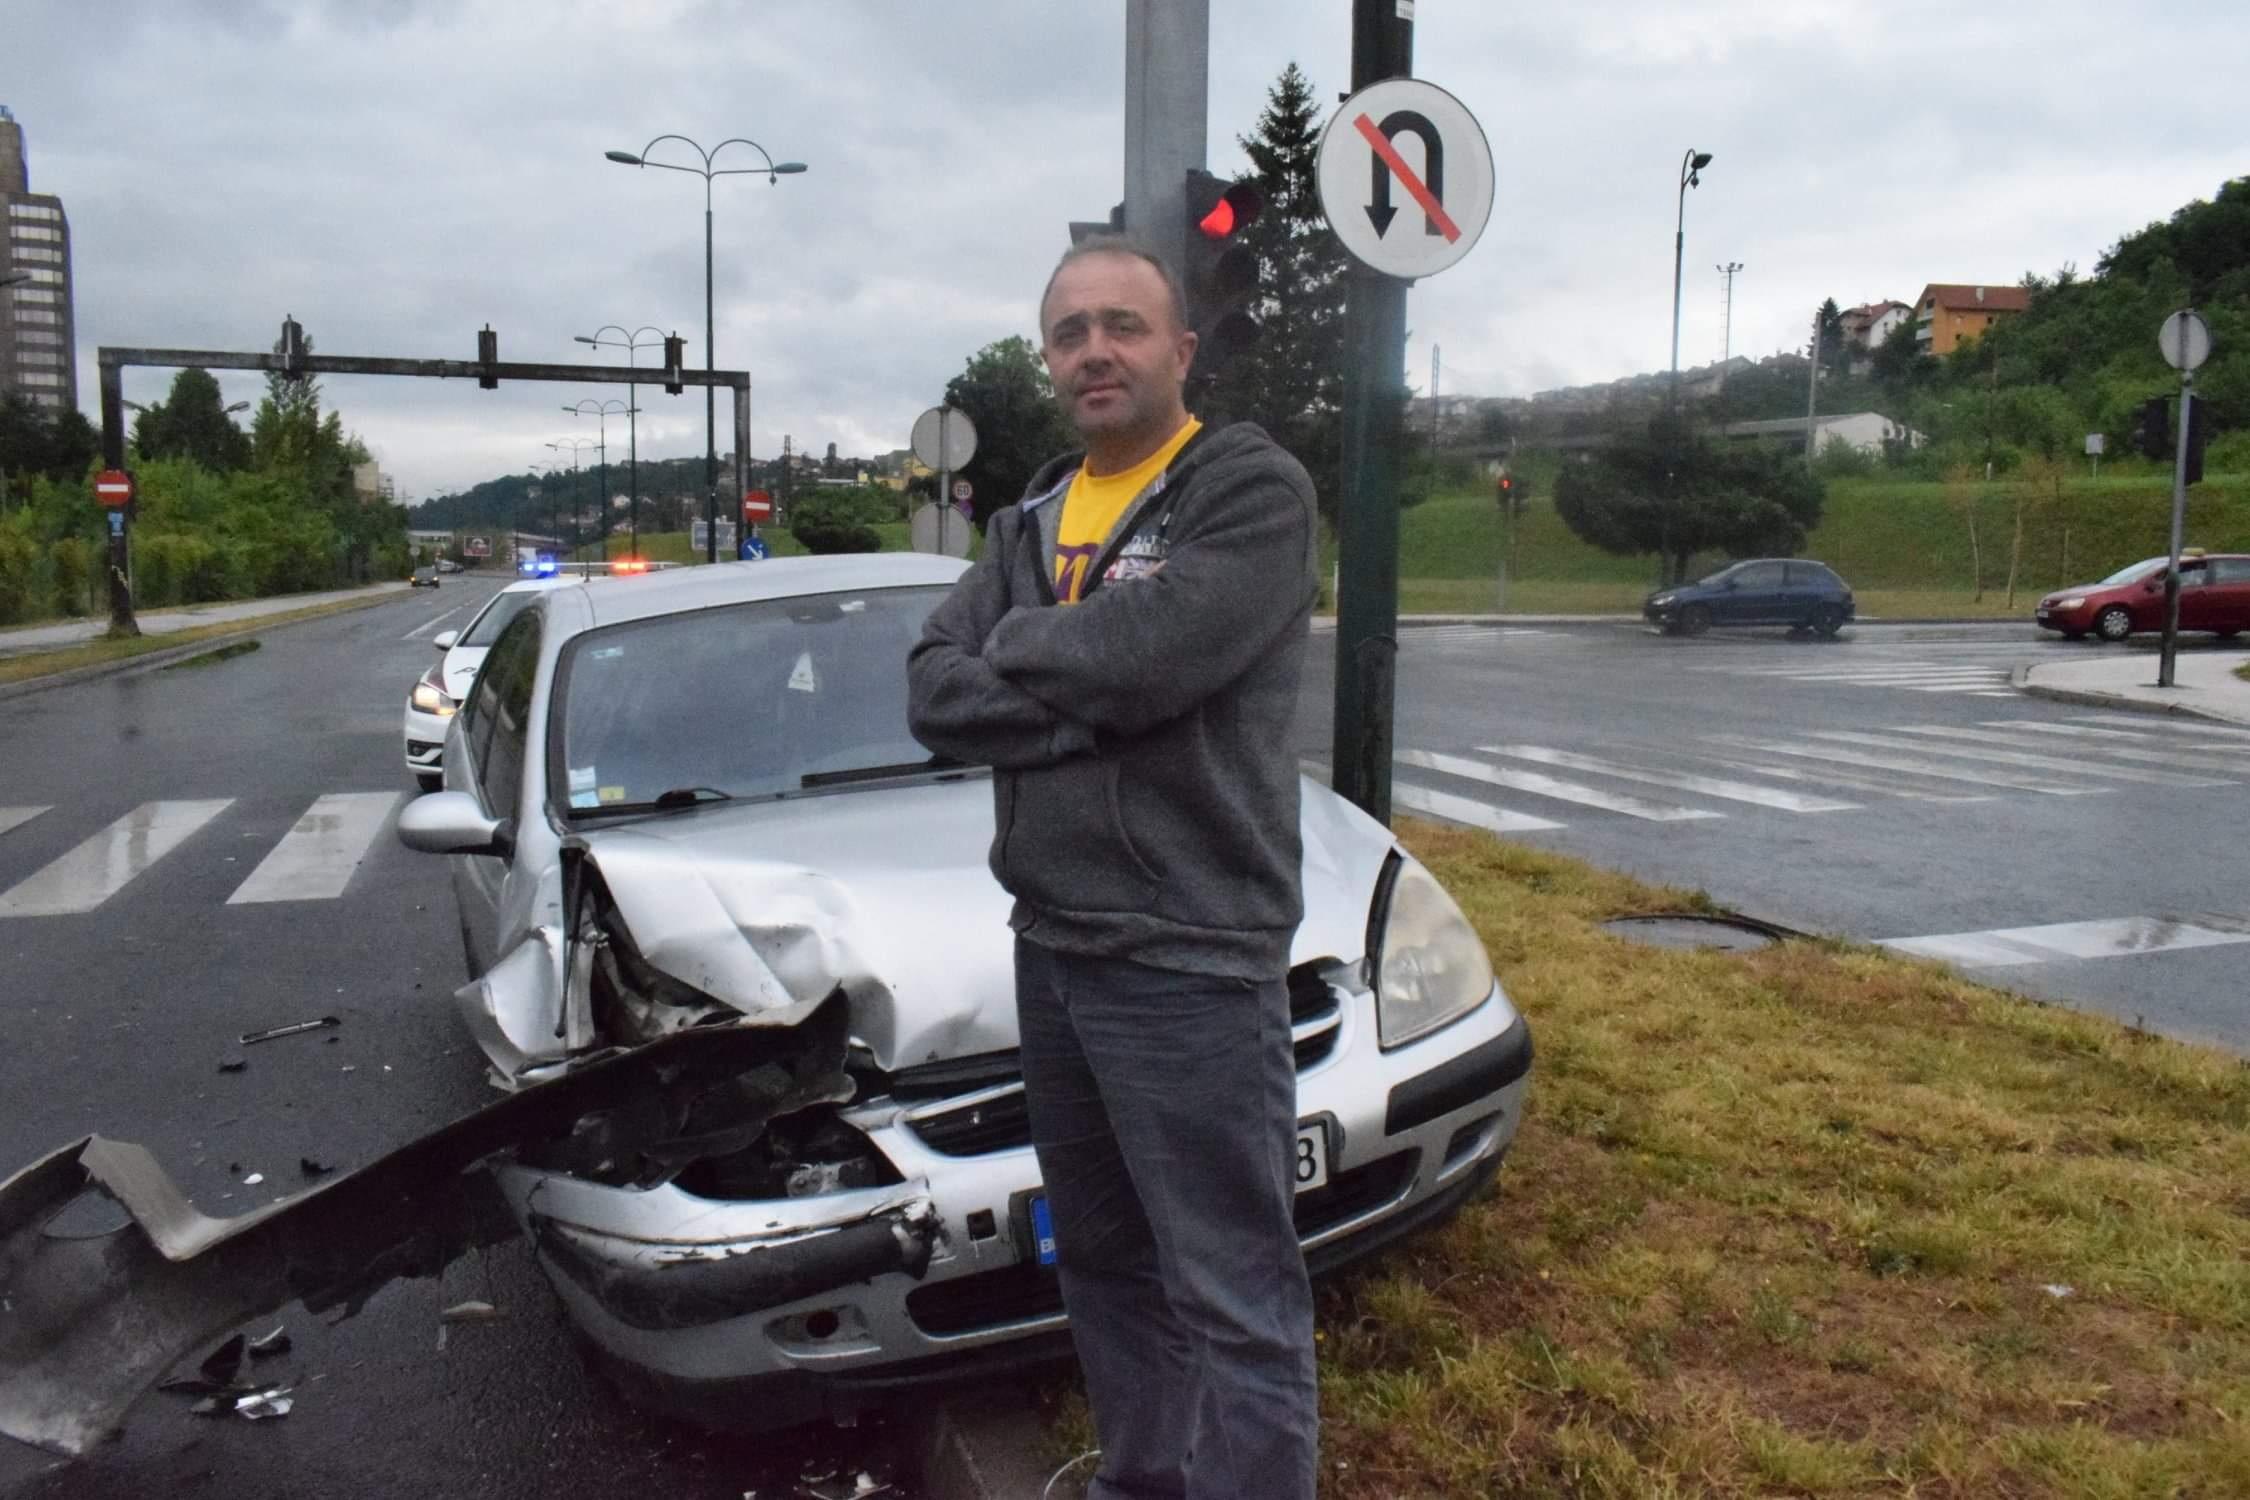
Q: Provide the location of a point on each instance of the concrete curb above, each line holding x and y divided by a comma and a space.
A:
2092, 698
164, 656
987, 1443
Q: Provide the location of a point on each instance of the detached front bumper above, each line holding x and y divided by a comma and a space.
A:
773, 1312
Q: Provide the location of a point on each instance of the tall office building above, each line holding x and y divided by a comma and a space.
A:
38, 355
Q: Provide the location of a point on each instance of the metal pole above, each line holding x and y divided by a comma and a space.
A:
1367, 522
633, 447
945, 475
710, 398
1167, 94
2171, 646
601, 501
1812, 393
121, 621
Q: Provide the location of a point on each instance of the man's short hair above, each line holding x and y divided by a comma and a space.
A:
1118, 244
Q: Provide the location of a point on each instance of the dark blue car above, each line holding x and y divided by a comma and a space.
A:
1788, 591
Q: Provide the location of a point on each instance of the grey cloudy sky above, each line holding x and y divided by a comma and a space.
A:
397, 174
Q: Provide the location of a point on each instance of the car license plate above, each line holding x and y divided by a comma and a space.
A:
1311, 1170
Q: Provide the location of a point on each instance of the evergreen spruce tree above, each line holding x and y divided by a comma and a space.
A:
1291, 380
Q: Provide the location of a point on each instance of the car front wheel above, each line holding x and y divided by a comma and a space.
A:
1695, 619
2114, 623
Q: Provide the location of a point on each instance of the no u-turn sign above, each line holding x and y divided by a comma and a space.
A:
1405, 177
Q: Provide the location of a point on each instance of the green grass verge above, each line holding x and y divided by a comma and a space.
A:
1812, 1221
94, 653
1903, 546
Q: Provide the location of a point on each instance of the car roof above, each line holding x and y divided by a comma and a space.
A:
611, 600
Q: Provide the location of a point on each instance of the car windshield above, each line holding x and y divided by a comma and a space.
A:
486, 628
2137, 570
746, 700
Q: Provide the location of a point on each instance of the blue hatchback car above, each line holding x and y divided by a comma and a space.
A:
1792, 591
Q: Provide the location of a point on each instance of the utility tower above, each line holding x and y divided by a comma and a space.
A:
1726, 345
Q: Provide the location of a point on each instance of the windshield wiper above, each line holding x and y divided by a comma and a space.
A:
876, 773
670, 801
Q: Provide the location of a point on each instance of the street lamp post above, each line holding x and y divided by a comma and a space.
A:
601, 411
773, 172
573, 447
631, 343
1690, 165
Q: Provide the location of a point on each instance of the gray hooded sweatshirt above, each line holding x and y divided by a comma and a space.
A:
1145, 792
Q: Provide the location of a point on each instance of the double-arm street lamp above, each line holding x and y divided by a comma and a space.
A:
632, 343
573, 447
600, 410
773, 172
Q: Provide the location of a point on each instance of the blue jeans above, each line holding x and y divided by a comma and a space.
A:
1164, 1108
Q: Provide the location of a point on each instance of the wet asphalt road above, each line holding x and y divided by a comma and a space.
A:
2121, 832
121, 1015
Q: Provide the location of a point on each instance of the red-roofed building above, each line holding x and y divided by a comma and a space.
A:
1946, 314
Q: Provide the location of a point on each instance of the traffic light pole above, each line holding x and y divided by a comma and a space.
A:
1367, 519
2171, 649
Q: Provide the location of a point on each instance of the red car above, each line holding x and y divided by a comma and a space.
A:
2214, 596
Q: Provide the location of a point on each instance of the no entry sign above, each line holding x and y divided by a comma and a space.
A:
113, 487
757, 506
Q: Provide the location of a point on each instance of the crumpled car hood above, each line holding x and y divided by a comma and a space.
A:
885, 893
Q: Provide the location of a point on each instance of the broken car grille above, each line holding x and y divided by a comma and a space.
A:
996, 1119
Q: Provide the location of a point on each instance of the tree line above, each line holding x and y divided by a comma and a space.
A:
222, 513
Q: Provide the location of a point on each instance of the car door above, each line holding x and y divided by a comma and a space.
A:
1803, 585
2226, 595
495, 736
2195, 596
1758, 594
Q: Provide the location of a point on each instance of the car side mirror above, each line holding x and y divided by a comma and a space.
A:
1732, 585
452, 823
444, 639
2152, 588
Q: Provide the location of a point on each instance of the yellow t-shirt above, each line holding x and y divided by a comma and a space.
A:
1092, 509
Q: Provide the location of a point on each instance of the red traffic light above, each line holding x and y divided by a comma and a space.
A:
1506, 483
1234, 206
1219, 222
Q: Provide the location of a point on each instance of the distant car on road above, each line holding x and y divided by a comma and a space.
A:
430, 706
2214, 596
448, 565
1792, 591
425, 577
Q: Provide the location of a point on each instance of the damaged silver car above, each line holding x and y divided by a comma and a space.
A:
744, 980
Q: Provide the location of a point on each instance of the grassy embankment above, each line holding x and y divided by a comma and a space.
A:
1812, 1221
1903, 546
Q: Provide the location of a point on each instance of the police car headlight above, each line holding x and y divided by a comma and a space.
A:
1430, 967
431, 699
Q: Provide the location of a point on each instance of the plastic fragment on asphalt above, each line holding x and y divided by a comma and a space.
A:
249, 1038
254, 1179
267, 1345
224, 1364
233, 1064
472, 1311
312, 1168
259, 1406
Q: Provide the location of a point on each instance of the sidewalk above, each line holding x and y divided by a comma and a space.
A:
28, 639
2206, 686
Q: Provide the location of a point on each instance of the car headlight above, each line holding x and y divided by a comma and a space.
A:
1661, 600
1430, 966
431, 699
2075, 601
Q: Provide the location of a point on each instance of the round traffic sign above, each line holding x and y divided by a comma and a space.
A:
962, 489
2186, 340
113, 487
1405, 177
930, 530
944, 437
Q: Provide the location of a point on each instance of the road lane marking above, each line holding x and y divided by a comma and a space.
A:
1922, 768
16, 817
1833, 777
1466, 810
315, 859
428, 625
2020, 758
2110, 937
2171, 726
1709, 786
1548, 786
102, 866
2184, 756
